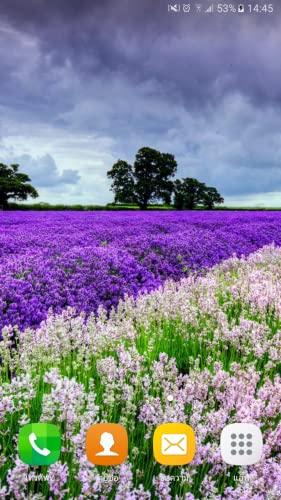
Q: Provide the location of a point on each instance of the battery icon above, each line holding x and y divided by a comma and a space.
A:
241, 8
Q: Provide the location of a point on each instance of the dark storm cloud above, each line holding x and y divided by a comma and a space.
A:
206, 88
194, 57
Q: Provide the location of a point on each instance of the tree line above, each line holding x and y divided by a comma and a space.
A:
150, 180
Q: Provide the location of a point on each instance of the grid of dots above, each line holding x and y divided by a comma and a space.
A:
241, 444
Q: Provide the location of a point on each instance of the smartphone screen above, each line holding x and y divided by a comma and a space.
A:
140, 261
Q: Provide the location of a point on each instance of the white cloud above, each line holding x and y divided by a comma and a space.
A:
62, 165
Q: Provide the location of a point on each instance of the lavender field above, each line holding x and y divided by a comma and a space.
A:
116, 312
82, 260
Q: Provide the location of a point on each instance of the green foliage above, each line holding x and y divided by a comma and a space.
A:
14, 184
123, 182
211, 197
147, 181
80, 208
152, 171
189, 192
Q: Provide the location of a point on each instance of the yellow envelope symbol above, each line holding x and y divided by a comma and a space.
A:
174, 444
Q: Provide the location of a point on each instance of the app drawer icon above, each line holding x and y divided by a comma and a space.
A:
241, 444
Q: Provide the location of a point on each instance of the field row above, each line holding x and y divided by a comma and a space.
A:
82, 260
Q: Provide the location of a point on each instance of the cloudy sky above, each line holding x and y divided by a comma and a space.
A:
86, 82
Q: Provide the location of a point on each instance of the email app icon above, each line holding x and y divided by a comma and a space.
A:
174, 444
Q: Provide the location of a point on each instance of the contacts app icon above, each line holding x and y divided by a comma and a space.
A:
107, 444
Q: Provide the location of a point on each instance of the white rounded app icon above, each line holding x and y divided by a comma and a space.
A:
241, 444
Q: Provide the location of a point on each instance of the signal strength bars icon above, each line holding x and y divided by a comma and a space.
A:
210, 9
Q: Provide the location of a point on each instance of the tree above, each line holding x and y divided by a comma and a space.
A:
211, 197
147, 181
152, 171
178, 195
14, 184
188, 193
123, 182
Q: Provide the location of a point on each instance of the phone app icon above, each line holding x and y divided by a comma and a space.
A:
174, 444
39, 444
107, 444
241, 444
